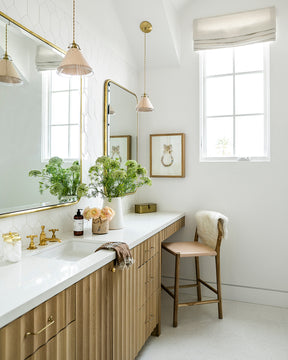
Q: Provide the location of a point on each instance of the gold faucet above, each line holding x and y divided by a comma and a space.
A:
32, 246
11, 237
53, 238
43, 239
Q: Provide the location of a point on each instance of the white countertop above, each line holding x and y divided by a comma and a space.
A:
35, 279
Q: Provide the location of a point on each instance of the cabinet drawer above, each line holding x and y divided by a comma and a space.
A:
151, 313
148, 280
60, 310
147, 250
151, 247
172, 229
152, 276
140, 329
60, 347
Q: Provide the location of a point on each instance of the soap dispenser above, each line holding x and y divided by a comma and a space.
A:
78, 223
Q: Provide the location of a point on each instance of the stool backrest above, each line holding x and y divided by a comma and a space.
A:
211, 228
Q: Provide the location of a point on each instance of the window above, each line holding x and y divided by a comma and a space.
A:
61, 122
234, 103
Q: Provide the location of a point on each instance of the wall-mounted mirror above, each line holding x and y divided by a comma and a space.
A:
120, 122
39, 119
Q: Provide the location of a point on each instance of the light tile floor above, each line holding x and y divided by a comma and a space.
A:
247, 332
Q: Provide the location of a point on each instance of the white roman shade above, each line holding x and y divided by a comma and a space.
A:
47, 59
235, 29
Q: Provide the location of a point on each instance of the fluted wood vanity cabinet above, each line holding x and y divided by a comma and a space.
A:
55, 340
117, 310
108, 315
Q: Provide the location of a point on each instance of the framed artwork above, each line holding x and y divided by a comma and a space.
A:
167, 155
120, 147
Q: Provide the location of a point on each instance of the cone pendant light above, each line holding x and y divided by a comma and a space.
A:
74, 63
8, 73
145, 104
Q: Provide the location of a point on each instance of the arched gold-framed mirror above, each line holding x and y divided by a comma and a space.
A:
40, 119
120, 122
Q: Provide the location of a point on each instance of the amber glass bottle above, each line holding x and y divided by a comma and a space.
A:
78, 223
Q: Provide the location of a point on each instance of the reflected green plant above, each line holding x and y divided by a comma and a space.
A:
65, 183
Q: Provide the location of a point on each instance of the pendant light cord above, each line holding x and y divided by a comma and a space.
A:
144, 64
6, 40
73, 21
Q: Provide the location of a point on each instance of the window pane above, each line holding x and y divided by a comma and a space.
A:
249, 93
59, 108
59, 82
249, 136
220, 137
219, 96
75, 83
249, 58
219, 62
74, 107
75, 141
59, 141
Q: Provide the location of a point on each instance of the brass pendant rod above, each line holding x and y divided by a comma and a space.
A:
144, 64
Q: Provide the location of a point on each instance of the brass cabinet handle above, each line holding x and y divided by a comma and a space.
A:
113, 269
51, 321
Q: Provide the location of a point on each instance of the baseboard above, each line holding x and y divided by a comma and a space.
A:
239, 293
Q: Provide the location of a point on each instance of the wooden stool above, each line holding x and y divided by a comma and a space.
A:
196, 249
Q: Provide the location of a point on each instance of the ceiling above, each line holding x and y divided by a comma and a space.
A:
164, 42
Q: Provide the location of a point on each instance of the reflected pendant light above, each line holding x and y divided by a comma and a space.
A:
74, 63
145, 104
8, 73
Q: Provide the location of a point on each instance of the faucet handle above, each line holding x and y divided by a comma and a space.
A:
32, 246
53, 238
43, 239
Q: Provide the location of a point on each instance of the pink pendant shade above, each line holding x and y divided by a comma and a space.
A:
144, 104
74, 63
8, 73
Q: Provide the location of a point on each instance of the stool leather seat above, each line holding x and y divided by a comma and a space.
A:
189, 248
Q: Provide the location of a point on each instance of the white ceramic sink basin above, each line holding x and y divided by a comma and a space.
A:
71, 250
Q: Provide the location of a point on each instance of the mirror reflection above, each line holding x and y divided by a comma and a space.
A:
121, 122
39, 119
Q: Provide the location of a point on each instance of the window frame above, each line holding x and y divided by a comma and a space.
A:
46, 117
203, 137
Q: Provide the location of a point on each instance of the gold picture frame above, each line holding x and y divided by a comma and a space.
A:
167, 155
120, 146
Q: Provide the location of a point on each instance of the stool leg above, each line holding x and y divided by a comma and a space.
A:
176, 290
197, 267
217, 260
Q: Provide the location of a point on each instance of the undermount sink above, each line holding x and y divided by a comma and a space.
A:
71, 251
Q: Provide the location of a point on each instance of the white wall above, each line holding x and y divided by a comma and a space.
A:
106, 49
253, 195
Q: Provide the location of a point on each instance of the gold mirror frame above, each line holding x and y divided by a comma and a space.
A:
105, 132
29, 211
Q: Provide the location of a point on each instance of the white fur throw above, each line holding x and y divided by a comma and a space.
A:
207, 226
